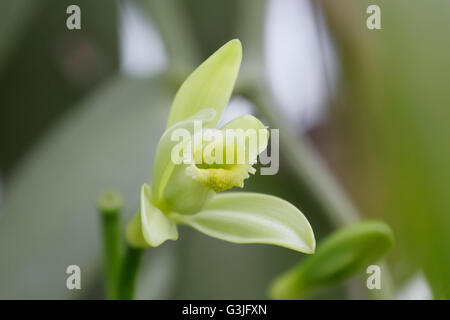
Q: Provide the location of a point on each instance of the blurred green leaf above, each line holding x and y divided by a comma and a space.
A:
105, 143
46, 68
212, 22
243, 217
15, 17
176, 31
395, 111
343, 254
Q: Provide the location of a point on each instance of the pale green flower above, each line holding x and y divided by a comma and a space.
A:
188, 193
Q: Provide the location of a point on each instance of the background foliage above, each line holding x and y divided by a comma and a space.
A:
72, 125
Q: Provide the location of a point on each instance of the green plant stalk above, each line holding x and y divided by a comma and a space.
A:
128, 273
111, 242
172, 22
110, 206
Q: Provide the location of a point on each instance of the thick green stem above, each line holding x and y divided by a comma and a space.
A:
110, 205
129, 272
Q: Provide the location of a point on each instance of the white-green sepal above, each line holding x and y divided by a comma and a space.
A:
172, 189
210, 85
156, 226
243, 217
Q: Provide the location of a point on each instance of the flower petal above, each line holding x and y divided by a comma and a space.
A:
210, 85
249, 124
243, 217
172, 189
156, 226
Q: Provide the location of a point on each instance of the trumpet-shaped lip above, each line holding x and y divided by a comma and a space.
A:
221, 178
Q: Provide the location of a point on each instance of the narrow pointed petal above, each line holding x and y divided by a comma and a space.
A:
156, 226
210, 85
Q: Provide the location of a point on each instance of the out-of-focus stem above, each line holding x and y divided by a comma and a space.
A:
170, 19
129, 272
110, 206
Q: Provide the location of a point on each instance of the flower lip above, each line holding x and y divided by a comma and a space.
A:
220, 178
226, 161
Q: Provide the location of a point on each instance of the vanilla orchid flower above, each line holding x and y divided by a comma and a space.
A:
189, 192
